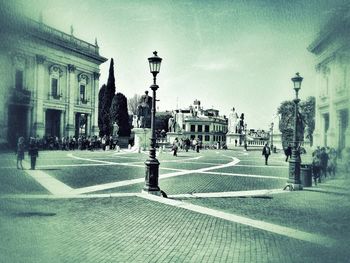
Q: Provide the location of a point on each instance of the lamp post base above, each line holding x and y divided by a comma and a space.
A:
157, 193
293, 187
151, 177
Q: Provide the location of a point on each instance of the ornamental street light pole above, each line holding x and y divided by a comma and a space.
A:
271, 137
294, 182
152, 164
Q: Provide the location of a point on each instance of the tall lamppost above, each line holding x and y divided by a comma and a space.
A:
152, 164
294, 182
271, 137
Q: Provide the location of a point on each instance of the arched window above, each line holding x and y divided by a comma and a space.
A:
55, 75
83, 81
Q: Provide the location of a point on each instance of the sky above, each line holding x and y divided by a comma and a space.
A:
226, 54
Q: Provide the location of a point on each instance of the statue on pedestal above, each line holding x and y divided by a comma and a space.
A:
232, 121
144, 111
171, 125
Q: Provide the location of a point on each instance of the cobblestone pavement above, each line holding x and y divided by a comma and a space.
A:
36, 226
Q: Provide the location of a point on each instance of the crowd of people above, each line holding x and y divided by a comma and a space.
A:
76, 143
324, 162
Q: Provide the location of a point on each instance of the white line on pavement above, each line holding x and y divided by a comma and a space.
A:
100, 187
263, 192
53, 185
273, 228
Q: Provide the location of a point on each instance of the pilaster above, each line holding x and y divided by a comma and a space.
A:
71, 76
39, 115
94, 117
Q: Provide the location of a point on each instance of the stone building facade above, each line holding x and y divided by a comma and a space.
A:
197, 123
332, 52
50, 81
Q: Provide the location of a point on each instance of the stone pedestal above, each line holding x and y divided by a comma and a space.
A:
230, 140
123, 141
171, 136
142, 138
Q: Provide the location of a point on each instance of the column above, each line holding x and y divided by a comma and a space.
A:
71, 77
62, 124
89, 125
39, 116
94, 101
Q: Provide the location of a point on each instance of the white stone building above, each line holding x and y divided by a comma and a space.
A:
196, 123
332, 51
49, 81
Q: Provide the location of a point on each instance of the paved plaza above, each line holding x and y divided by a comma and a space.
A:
222, 206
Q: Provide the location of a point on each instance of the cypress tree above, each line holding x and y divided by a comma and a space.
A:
107, 101
119, 114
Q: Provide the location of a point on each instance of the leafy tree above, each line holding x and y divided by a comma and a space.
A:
100, 107
307, 109
107, 101
133, 102
119, 114
286, 125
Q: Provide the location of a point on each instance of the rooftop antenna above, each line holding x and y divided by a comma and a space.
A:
71, 30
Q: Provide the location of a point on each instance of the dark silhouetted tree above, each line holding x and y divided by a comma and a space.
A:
119, 114
107, 102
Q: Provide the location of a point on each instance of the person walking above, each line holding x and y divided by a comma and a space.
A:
33, 152
266, 152
288, 152
20, 152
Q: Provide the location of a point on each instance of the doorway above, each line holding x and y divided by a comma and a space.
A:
53, 123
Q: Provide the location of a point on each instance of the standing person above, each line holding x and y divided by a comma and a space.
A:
20, 152
324, 161
266, 152
316, 166
33, 152
288, 152
175, 147
194, 144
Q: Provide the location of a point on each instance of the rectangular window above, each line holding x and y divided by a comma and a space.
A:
206, 128
192, 137
200, 137
82, 92
200, 128
19, 79
193, 128
184, 127
54, 87
207, 138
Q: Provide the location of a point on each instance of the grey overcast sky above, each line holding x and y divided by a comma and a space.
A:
226, 54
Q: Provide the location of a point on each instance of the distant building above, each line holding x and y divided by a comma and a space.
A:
49, 81
196, 123
332, 51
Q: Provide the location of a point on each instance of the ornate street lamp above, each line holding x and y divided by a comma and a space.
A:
294, 182
152, 164
271, 137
